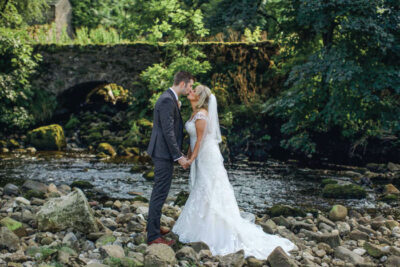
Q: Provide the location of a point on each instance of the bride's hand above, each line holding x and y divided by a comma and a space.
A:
189, 162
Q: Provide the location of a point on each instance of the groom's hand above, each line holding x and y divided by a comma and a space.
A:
183, 162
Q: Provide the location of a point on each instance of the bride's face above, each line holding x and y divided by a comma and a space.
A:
192, 96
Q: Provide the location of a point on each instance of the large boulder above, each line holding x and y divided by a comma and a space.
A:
106, 149
50, 137
338, 213
159, 255
68, 211
8, 239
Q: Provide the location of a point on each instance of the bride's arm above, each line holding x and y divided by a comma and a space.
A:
200, 127
189, 153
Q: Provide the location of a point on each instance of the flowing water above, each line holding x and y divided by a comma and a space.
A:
256, 185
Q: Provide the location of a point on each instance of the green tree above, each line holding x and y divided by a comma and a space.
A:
235, 14
17, 64
166, 21
19, 13
342, 58
86, 13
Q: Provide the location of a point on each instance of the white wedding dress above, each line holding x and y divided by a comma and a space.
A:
211, 213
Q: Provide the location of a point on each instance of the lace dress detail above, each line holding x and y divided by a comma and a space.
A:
199, 116
211, 213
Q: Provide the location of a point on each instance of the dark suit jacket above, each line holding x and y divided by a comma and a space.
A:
167, 134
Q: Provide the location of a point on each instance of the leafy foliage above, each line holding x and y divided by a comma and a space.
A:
221, 15
344, 73
19, 13
17, 64
168, 21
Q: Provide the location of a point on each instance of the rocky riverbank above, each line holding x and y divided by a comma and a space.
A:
59, 226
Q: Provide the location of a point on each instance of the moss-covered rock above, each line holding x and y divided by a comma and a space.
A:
101, 155
41, 253
34, 194
93, 138
14, 226
72, 210
285, 210
134, 150
343, 191
107, 149
82, 184
72, 123
140, 198
149, 175
12, 143
389, 198
137, 168
338, 213
3, 144
374, 250
328, 181
181, 198
68, 250
104, 240
49, 137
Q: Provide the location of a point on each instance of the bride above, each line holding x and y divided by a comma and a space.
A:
211, 213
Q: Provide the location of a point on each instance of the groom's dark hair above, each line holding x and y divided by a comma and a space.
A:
182, 76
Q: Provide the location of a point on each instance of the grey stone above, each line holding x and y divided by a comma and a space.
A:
348, 255
338, 213
269, 226
11, 190
8, 239
159, 255
70, 240
278, 258
198, 246
232, 259
187, 253
112, 251
253, 262
35, 186
332, 239
358, 235
393, 261
70, 211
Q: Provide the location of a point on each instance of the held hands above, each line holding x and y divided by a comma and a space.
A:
184, 162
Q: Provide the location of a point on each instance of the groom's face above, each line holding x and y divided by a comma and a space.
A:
187, 88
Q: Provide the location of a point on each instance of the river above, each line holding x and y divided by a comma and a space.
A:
257, 185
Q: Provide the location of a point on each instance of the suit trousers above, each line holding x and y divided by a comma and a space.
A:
163, 170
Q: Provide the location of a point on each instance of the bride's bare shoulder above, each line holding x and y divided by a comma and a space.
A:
204, 111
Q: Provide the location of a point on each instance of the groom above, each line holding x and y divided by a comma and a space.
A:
165, 148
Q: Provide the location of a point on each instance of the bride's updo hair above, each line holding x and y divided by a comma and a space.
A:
204, 96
